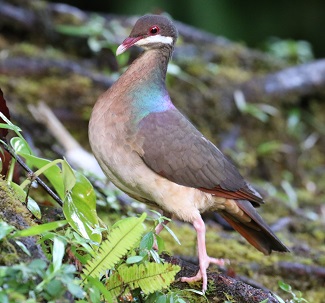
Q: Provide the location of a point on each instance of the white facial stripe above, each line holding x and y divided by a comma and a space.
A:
155, 39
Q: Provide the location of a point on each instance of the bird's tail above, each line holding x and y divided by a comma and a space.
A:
256, 232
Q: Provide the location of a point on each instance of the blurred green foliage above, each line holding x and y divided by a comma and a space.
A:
249, 21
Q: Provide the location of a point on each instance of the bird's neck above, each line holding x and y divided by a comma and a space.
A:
150, 67
144, 83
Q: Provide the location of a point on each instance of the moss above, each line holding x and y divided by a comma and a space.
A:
14, 213
8, 255
11, 207
25, 49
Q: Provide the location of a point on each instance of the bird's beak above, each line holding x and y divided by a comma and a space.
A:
127, 43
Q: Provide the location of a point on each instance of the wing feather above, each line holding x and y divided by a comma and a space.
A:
175, 149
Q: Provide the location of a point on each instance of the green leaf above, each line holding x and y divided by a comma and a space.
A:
5, 229
34, 208
162, 299
154, 254
31, 203
134, 259
279, 299
20, 146
75, 290
23, 247
160, 243
149, 277
284, 286
69, 178
53, 287
122, 238
52, 173
58, 253
39, 229
172, 234
9, 125
60, 180
20, 193
79, 209
147, 241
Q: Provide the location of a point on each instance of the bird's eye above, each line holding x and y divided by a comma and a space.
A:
154, 30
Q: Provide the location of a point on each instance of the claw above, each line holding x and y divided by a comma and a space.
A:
201, 274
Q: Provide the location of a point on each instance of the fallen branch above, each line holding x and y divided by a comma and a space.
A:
290, 84
21, 66
220, 285
294, 270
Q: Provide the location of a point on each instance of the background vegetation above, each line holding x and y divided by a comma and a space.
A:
250, 22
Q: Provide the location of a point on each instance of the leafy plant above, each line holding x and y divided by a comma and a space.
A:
261, 111
290, 50
129, 255
98, 33
72, 187
296, 297
149, 277
122, 238
38, 280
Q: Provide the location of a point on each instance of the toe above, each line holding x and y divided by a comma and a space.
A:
196, 278
219, 262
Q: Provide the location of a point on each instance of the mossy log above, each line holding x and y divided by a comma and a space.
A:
15, 213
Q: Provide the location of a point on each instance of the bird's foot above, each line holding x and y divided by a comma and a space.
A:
202, 275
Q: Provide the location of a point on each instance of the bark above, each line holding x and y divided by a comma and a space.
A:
222, 287
294, 269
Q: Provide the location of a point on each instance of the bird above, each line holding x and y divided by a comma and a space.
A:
152, 152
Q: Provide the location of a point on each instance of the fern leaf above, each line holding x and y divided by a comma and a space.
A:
122, 238
149, 277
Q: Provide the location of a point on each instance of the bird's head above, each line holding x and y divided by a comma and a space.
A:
150, 31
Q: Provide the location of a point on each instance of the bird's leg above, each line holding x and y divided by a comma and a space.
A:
204, 259
159, 228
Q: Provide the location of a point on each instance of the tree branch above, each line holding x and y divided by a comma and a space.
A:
290, 84
222, 286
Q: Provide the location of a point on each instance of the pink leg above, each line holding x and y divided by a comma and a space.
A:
158, 229
160, 226
204, 259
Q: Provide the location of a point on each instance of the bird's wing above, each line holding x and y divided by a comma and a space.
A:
176, 150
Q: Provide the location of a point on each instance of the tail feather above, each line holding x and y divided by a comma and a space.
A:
255, 232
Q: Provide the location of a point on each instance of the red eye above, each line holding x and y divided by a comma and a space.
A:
154, 30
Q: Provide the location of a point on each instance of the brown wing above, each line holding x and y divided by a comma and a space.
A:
175, 149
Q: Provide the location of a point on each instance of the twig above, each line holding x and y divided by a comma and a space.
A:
29, 171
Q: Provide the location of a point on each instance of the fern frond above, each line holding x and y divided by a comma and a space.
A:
122, 238
149, 277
